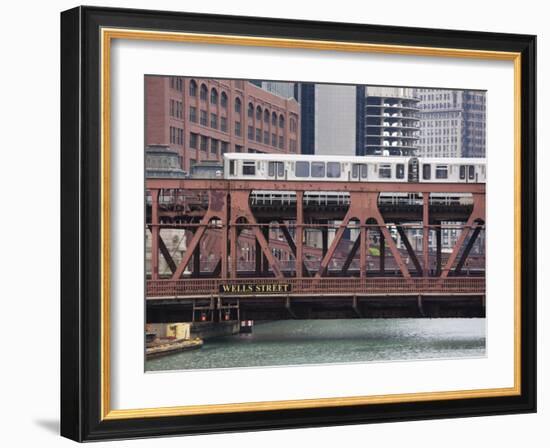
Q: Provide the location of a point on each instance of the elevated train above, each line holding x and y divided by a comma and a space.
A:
245, 166
354, 168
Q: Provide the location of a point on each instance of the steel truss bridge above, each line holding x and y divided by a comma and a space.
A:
365, 252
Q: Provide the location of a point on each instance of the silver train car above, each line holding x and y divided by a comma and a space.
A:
353, 168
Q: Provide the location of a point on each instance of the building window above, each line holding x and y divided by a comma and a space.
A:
223, 101
192, 88
237, 105
172, 135
204, 118
292, 125
238, 148
204, 92
204, 143
224, 147
214, 121
250, 110
238, 128
274, 119
214, 96
266, 116
281, 121
266, 137
258, 135
172, 107
214, 146
179, 109
193, 138
193, 114
273, 140
281, 142
293, 147
258, 113
223, 124
251, 132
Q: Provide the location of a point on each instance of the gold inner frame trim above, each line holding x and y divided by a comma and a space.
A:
107, 35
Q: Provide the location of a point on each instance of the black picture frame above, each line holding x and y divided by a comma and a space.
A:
81, 210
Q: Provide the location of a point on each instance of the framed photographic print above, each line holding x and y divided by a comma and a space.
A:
272, 224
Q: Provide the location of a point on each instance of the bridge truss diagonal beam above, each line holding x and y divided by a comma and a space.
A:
478, 213
240, 209
410, 249
292, 246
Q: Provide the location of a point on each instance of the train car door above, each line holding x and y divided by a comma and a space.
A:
413, 169
467, 174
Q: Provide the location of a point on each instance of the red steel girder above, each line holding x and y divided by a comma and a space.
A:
305, 186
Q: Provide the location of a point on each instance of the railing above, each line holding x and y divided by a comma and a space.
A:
322, 286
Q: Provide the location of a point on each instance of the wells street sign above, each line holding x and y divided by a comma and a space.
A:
254, 288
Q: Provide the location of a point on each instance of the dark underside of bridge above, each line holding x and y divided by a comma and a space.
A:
278, 308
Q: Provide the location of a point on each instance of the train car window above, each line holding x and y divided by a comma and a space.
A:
426, 172
280, 169
249, 168
441, 172
384, 171
317, 169
271, 169
364, 170
333, 169
355, 170
231, 167
400, 171
302, 169
462, 172
471, 172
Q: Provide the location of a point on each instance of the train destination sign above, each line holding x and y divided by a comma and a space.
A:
254, 288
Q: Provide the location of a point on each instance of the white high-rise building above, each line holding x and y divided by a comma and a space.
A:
452, 123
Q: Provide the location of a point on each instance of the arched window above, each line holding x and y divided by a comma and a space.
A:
237, 105
266, 116
258, 113
204, 92
281, 121
223, 101
214, 96
192, 88
292, 125
250, 110
274, 119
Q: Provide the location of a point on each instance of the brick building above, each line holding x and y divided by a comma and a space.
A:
201, 119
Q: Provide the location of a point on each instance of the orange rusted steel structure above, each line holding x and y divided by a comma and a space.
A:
229, 213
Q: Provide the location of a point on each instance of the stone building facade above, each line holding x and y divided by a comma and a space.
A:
201, 119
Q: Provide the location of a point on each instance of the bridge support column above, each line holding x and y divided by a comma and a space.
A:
155, 231
299, 232
438, 249
363, 250
426, 232
382, 257
265, 232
